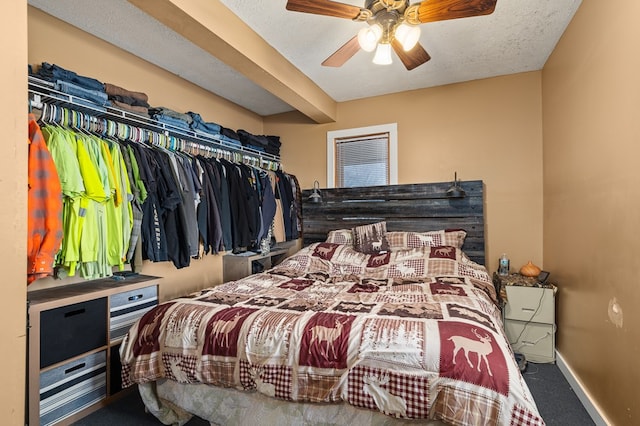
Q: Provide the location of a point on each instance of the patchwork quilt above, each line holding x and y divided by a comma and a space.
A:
414, 334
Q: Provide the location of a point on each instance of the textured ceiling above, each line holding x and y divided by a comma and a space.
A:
518, 37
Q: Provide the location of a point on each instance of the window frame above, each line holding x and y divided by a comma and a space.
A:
391, 129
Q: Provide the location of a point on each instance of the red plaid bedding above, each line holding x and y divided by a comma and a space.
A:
411, 333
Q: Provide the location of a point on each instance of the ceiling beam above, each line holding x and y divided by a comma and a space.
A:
215, 29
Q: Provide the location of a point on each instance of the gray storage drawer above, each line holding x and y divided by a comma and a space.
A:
127, 307
69, 388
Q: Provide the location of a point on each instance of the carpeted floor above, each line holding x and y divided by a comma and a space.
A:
556, 401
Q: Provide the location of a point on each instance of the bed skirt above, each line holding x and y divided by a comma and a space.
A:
174, 404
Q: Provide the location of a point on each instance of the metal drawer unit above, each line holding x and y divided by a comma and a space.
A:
74, 333
125, 308
529, 322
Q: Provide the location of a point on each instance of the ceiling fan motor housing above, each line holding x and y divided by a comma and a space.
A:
376, 6
387, 14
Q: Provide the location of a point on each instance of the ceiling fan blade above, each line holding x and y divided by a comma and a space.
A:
342, 55
441, 10
324, 7
413, 58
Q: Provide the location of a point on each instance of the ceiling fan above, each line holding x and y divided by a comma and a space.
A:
393, 24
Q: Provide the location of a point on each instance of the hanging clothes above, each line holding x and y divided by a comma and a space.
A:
129, 191
154, 241
173, 212
94, 261
221, 191
296, 228
184, 174
209, 215
267, 204
286, 197
98, 215
138, 195
44, 202
63, 151
279, 234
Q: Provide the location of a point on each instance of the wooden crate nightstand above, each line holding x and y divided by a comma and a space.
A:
529, 316
237, 266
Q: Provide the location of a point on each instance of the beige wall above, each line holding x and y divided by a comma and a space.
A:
13, 187
487, 129
53, 41
591, 104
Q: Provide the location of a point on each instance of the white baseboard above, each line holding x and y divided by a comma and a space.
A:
592, 409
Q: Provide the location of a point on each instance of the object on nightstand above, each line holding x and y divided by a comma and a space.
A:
503, 265
542, 277
530, 270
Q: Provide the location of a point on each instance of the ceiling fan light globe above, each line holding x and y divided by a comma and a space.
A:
383, 54
368, 37
407, 35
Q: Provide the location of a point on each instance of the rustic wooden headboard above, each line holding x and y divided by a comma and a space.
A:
411, 207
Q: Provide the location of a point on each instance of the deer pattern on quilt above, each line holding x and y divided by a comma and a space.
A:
324, 343
182, 326
223, 329
262, 386
149, 330
269, 336
470, 352
385, 401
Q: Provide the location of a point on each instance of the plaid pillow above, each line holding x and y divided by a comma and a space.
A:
340, 236
371, 239
402, 240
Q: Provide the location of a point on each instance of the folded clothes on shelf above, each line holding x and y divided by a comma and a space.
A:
96, 96
131, 108
230, 141
199, 124
126, 96
262, 143
54, 73
172, 121
230, 133
167, 112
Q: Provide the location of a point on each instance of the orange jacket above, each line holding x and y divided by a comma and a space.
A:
44, 207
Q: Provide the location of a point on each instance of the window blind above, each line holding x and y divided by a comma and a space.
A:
362, 161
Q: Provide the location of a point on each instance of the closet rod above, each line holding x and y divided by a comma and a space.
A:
42, 91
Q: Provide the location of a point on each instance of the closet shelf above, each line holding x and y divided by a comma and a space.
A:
43, 92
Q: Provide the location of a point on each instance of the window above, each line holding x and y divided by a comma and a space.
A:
365, 156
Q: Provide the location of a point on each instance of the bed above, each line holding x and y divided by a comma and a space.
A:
372, 324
